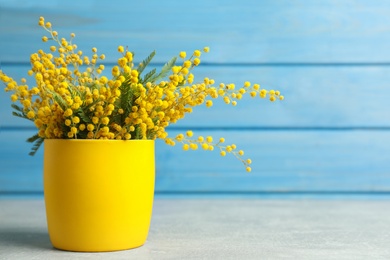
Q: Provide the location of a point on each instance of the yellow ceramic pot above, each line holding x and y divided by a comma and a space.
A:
98, 193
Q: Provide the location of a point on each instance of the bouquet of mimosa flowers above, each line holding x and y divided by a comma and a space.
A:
72, 97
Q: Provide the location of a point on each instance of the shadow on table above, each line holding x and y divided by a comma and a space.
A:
26, 239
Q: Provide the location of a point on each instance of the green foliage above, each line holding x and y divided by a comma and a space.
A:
61, 102
125, 101
145, 62
17, 108
37, 142
83, 116
20, 113
164, 71
149, 76
137, 132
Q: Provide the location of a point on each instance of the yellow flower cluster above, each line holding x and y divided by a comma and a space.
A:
207, 143
72, 97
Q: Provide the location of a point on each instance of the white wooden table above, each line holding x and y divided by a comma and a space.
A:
205, 228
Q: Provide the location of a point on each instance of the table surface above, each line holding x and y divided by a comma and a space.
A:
216, 228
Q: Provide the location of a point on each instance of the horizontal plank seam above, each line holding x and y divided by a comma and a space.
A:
292, 192
246, 64
282, 128
227, 192
242, 128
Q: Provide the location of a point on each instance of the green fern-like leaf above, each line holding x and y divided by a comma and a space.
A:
61, 102
145, 62
37, 143
17, 108
33, 138
83, 116
164, 71
19, 115
137, 132
149, 75
125, 101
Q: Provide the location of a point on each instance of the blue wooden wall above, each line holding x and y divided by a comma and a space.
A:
330, 58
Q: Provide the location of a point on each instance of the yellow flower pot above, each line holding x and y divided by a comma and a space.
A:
98, 193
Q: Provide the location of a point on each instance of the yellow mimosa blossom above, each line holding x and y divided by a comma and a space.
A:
197, 53
182, 54
73, 97
196, 61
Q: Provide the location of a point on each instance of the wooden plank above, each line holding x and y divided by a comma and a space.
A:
284, 161
315, 97
19, 171
346, 161
348, 92
246, 31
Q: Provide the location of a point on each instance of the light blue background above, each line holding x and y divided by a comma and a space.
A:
330, 59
